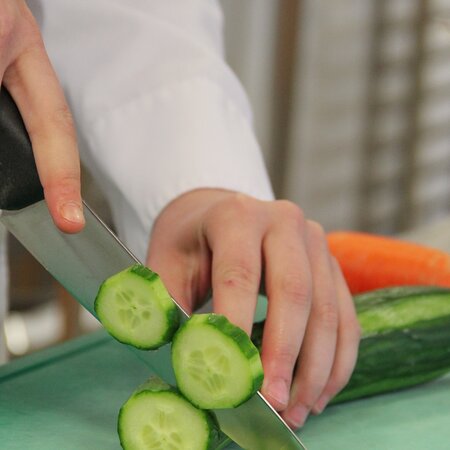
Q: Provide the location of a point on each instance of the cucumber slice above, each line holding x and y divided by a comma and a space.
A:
215, 363
158, 417
136, 309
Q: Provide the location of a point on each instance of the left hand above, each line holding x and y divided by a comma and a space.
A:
223, 240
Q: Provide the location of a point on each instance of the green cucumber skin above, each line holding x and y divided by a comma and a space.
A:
172, 315
144, 272
399, 359
386, 310
396, 358
371, 299
156, 385
237, 334
222, 323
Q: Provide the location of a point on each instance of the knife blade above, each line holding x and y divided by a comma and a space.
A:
81, 262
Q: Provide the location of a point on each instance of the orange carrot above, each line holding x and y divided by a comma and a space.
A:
370, 261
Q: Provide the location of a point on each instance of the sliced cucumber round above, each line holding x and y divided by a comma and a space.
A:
136, 309
216, 364
158, 417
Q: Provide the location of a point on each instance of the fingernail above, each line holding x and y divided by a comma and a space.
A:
297, 415
320, 404
72, 212
277, 390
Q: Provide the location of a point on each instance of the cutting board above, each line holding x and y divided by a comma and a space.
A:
67, 398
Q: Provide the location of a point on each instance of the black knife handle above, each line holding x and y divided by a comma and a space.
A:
19, 180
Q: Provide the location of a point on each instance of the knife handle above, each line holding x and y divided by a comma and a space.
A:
19, 180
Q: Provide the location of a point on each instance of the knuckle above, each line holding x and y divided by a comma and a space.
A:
236, 209
60, 119
296, 291
239, 276
64, 184
240, 205
290, 211
327, 314
285, 360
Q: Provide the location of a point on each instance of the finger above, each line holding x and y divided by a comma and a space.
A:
182, 263
319, 346
39, 97
234, 238
235, 276
347, 342
288, 286
177, 271
178, 250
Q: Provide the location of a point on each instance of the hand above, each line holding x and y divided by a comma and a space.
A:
26, 72
224, 240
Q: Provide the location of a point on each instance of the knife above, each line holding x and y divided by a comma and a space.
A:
81, 262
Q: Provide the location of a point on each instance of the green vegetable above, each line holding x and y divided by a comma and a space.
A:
405, 339
158, 417
215, 363
136, 309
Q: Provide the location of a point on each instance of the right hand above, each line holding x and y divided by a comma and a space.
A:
26, 71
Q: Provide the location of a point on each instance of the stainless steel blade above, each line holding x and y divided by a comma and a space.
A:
83, 261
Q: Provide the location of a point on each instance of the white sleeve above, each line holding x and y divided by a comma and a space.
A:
157, 109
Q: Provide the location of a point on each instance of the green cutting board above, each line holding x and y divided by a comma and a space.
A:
67, 398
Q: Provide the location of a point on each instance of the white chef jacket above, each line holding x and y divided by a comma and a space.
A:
158, 112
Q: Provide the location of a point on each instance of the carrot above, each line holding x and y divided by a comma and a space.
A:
370, 261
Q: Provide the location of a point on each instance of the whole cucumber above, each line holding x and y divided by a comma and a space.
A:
405, 339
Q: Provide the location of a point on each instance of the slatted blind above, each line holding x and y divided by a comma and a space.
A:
369, 140
408, 119
327, 123
352, 105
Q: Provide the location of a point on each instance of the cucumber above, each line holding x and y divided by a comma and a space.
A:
405, 340
158, 417
215, 363
136, 309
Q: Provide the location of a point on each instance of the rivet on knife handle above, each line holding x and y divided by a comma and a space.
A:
19, 180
